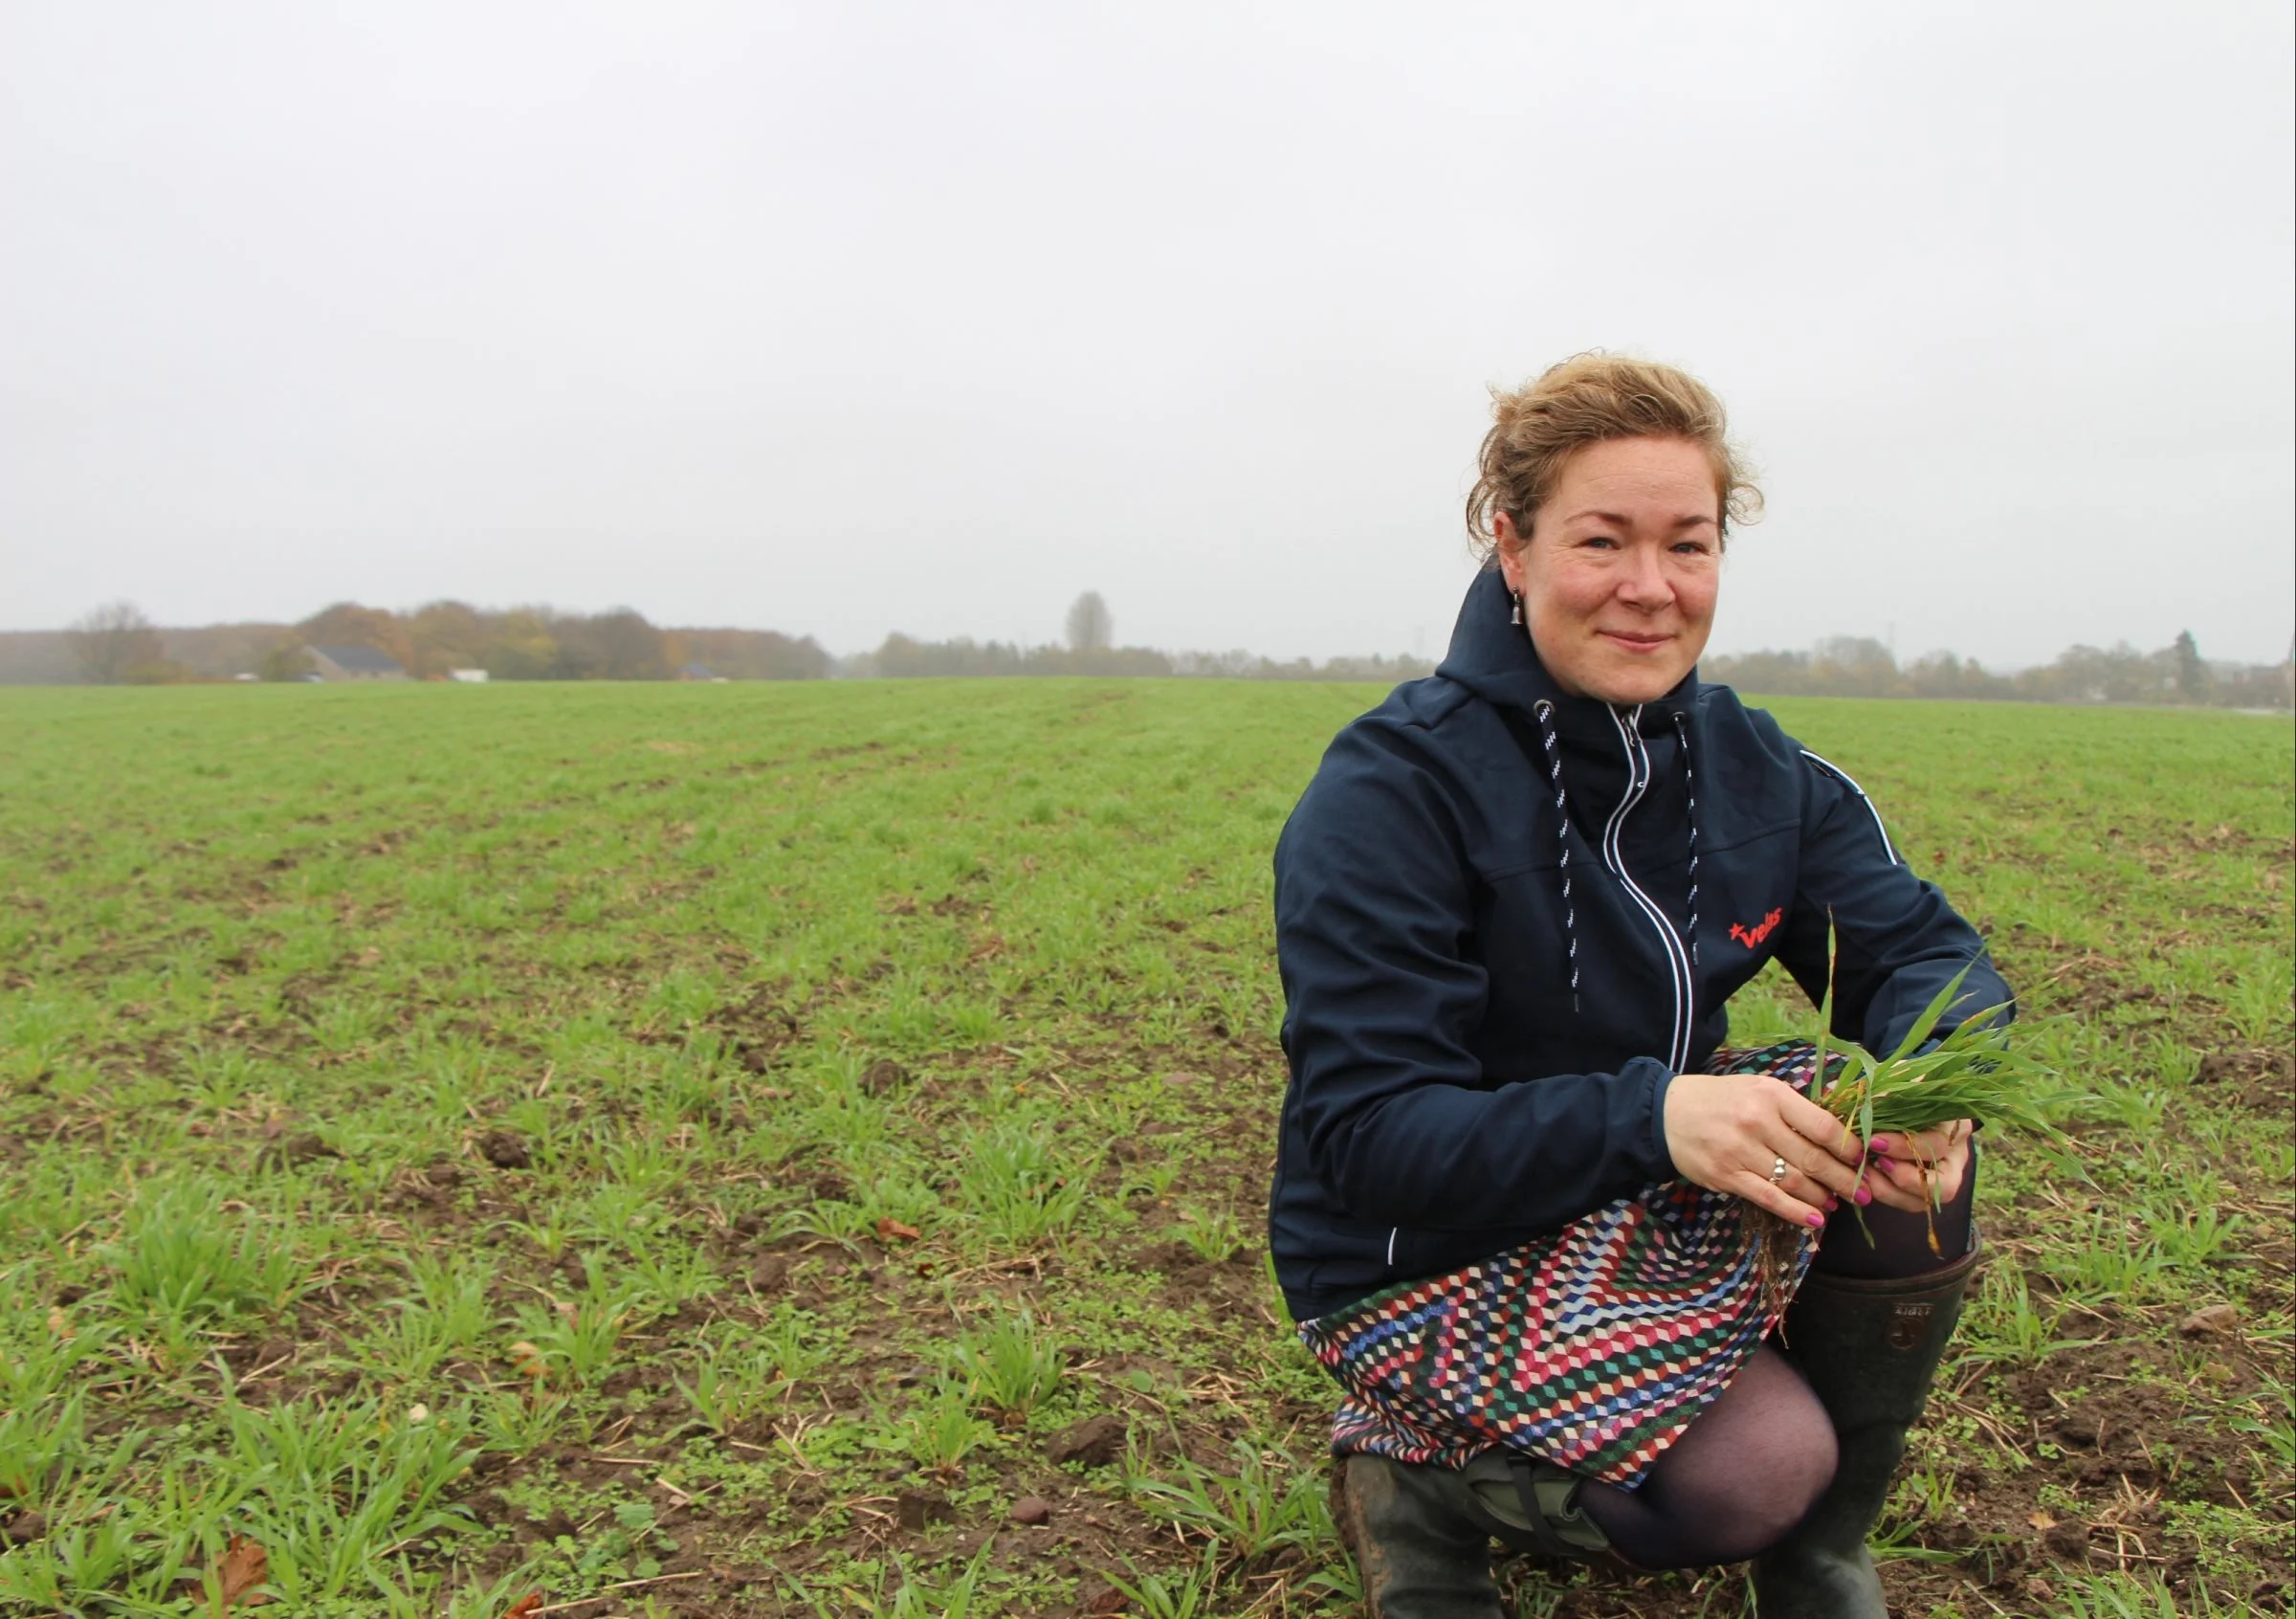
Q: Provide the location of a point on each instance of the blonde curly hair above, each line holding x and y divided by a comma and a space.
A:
1585, 400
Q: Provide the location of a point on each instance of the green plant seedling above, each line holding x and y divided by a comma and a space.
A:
1214, 1238
1187, 1595
2277, 1428
944, 1431
183, 1259
73, 1570
733, 1387
1019, 1187
333, 1491
1011, 1368
1258, 1507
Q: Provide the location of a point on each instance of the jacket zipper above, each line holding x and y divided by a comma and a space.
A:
1678, 959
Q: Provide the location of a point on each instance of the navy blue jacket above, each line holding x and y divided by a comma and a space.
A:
1451, 1093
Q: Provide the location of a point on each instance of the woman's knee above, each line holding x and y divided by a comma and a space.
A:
1740, 1479
1779, 1457
1795, 1449
1781, 1483
1805, 1470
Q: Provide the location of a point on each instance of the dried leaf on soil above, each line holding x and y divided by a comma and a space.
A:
241, 1568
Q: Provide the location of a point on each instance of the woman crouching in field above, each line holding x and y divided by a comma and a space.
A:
1509, 1210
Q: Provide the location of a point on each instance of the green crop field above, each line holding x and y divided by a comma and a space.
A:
752, 1149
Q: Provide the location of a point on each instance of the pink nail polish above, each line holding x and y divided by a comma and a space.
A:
1863, 1196
1816, 1219
1880, 1145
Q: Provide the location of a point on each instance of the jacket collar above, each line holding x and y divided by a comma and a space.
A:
1495, 658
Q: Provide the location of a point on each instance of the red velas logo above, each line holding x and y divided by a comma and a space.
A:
1750, 937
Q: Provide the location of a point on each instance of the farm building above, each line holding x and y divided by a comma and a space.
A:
354, 664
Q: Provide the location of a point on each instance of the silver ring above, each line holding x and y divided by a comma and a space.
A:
1777, 1170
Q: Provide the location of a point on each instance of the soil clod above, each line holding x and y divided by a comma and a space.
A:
506, 1149
2076, 1428
2214, 1319
2070, 1541
919, 1507
304, 1147
1093, 1442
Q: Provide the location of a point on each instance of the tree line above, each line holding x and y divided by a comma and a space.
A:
1858, 666
1090, 650
904, 658
117, 644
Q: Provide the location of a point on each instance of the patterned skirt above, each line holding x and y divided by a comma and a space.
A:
1593, 1346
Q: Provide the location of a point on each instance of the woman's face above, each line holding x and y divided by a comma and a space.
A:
1618, 573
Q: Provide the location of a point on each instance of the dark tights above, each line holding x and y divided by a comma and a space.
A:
1756, 1459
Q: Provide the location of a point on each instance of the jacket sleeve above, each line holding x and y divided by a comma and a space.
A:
1899, 942
1374, 908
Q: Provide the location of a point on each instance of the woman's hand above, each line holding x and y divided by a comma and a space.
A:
1728, 1132
1919, 1170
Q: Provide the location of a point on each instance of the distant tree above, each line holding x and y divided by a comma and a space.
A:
1377, 667
633, 649
445, 636
900, 657
115, 643
289, 660
1231, 665
617, 645
1943, 675
1853, 666
748, 655
520, 645
2081, 673
2192, 674
905, 657
1776, 674
1090, 630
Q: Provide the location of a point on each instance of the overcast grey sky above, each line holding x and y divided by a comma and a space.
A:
848, 318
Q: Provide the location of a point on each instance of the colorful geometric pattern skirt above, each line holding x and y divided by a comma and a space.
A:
1592, 1347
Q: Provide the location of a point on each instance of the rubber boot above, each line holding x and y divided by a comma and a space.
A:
1421, 1534
1421, 1548
1869, 1349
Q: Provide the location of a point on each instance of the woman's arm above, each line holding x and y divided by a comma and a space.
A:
1898, 942
1374, 910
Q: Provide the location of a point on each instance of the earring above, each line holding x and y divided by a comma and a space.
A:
1518, 617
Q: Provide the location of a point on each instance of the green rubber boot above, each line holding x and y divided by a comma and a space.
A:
1869, 1349
1421, 1550
1421, 1534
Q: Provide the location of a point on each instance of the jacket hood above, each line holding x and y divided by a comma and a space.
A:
1493, 659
